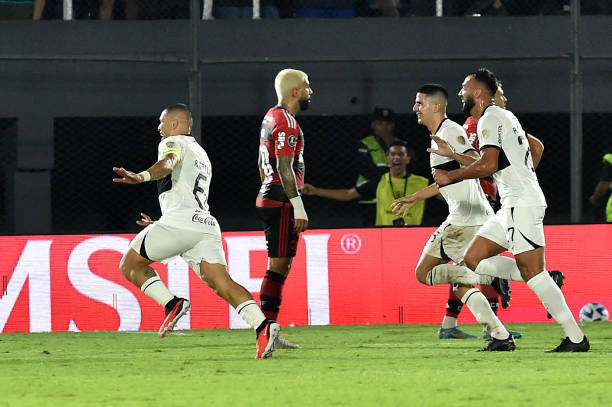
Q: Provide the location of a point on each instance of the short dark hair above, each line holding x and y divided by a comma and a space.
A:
179, 107
431, 89
487, 78
400, 143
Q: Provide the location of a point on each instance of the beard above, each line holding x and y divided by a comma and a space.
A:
468, 104
304, 103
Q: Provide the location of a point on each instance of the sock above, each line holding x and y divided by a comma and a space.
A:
449, 322
552, 298
250, 312
453, 308
270, 294
500, 266
451, 273
478, 304
492, 296
157, 290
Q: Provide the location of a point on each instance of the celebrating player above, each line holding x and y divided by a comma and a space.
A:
187, 229
449, 327
518, 225
281, 168
468, 210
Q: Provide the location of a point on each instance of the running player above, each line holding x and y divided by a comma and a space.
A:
187, 229
449, 329
281, 169
518, 225
468, 210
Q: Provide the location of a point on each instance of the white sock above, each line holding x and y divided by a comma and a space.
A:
551, 296
157, 290
250, 312
479, 306
500, 266
451, 273
449, 322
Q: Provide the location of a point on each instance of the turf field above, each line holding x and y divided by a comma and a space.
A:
374, 365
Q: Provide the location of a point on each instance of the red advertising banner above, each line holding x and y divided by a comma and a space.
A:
349, 276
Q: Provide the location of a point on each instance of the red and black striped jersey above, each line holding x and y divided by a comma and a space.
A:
488, 185
280, 134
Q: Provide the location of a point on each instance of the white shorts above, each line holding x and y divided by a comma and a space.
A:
518, 229
163, 242
449, 242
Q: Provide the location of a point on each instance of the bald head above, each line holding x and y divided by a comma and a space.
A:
179, 111
175, 119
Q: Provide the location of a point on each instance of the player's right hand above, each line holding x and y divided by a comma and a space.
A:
444, 149
145, 221
300, 225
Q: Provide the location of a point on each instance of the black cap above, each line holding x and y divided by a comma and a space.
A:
383, 114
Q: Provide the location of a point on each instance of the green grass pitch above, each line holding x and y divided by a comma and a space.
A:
373, 365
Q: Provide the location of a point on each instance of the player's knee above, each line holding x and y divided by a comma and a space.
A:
125, 267
471, 260
421, 274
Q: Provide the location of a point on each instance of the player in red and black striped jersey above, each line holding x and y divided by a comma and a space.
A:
281, 168
280, 135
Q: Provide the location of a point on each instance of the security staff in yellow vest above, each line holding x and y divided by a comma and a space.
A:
371, 157
603, 187
396, 183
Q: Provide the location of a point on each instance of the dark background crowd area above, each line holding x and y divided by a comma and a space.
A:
84, 199
180, 9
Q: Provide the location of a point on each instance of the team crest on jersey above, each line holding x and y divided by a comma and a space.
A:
461, 140
170, 144
486, 133
292, 141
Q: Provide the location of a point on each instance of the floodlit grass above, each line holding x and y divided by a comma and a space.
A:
375, 365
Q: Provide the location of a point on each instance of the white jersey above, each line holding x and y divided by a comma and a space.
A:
515, 176
467, 204
183, 195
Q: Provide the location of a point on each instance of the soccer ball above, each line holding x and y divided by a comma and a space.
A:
594, 311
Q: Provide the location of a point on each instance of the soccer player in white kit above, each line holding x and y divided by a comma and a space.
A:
468, 210
187, 229
518, 225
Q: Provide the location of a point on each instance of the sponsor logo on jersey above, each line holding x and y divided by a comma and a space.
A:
205, 220
281, 140
292, 141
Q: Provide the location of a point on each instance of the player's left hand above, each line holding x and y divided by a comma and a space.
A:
443, 149
402, 205
441, 177
300, 225
145, 221
127, 177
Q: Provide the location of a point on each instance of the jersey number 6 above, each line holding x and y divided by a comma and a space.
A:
197, 188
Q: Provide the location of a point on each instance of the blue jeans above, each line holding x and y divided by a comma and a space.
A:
268, 11
325, 13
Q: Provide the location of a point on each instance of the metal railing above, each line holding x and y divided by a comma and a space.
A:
207, 9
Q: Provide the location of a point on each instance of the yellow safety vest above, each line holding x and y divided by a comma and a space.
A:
388, 190
379, 158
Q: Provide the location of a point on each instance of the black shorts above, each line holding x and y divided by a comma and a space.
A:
281, 238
